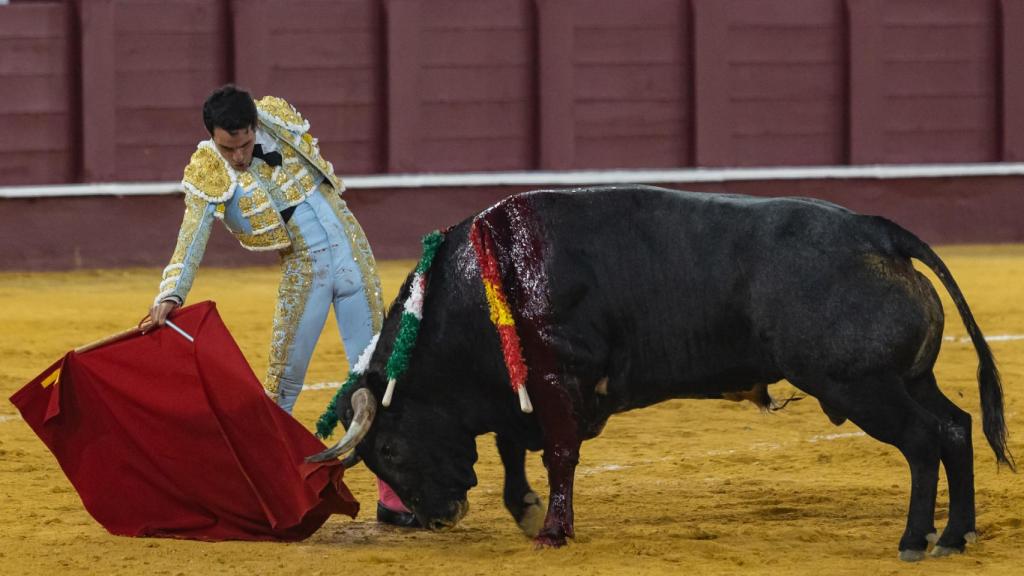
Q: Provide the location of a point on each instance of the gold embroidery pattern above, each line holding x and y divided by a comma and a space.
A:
306, 144
171, 275
278, 111
292, 294
327, 169
266, 171
193, 232
169, 283
262, 222
294, 195
302, 179
273, 239
360, 252
290, 192
308, 149
268, 231
292, 189
247, 181
194, 208
208, 175
280, 177
245, 205
306, 180
256, 201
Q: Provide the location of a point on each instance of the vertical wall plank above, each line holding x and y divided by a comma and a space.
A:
1012, 74
403, 62
477, 85
866, 97
39, 85
711, 118
250, 32
99, 121
556, 90
169, 56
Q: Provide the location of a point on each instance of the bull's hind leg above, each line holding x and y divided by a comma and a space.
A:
521, 501
957, 454
886, 412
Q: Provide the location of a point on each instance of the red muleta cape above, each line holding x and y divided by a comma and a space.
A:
165, 437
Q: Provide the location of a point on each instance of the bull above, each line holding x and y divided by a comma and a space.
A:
622, 297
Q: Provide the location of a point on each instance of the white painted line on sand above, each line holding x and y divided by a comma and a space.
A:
831, 437
587, 471
996, 338
322, 386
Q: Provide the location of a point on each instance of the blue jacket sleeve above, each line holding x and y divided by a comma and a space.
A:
192, 238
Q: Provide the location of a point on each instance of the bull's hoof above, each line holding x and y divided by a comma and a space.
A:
949, 545
532, 519
548, 541
940, 551
912, 555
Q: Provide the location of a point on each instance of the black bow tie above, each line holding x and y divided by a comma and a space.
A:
271, 158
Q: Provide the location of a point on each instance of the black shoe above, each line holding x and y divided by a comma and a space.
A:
395, 518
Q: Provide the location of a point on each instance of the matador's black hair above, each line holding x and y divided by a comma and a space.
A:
229, 108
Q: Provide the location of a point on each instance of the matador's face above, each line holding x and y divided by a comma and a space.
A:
235, 146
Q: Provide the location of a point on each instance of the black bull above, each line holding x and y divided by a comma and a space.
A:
623, 297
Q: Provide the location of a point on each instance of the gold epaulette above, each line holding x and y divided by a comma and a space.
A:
279, 112
208, 175
285, 121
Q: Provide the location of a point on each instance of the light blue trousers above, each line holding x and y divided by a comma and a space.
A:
317, 273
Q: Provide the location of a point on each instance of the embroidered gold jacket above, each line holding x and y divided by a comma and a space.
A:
250, 202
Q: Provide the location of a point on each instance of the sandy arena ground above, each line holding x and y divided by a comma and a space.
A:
696, 487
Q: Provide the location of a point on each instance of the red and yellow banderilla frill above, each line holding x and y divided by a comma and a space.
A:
501, 313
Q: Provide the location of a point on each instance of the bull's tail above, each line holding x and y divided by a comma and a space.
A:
989, 382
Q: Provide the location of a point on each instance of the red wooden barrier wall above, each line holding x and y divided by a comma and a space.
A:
328, 59
770, 82
38, 116
630, 99
466, 85
461, 85
938, 98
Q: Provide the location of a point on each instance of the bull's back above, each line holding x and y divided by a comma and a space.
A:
691, 294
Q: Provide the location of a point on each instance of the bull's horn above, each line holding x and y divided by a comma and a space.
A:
351, 461
365, 406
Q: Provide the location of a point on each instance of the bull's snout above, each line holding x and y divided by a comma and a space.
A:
459, 510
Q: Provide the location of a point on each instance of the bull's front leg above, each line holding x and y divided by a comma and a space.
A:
555, 400
521, 501
556, 415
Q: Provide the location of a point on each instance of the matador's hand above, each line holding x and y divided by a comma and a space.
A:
158, 315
